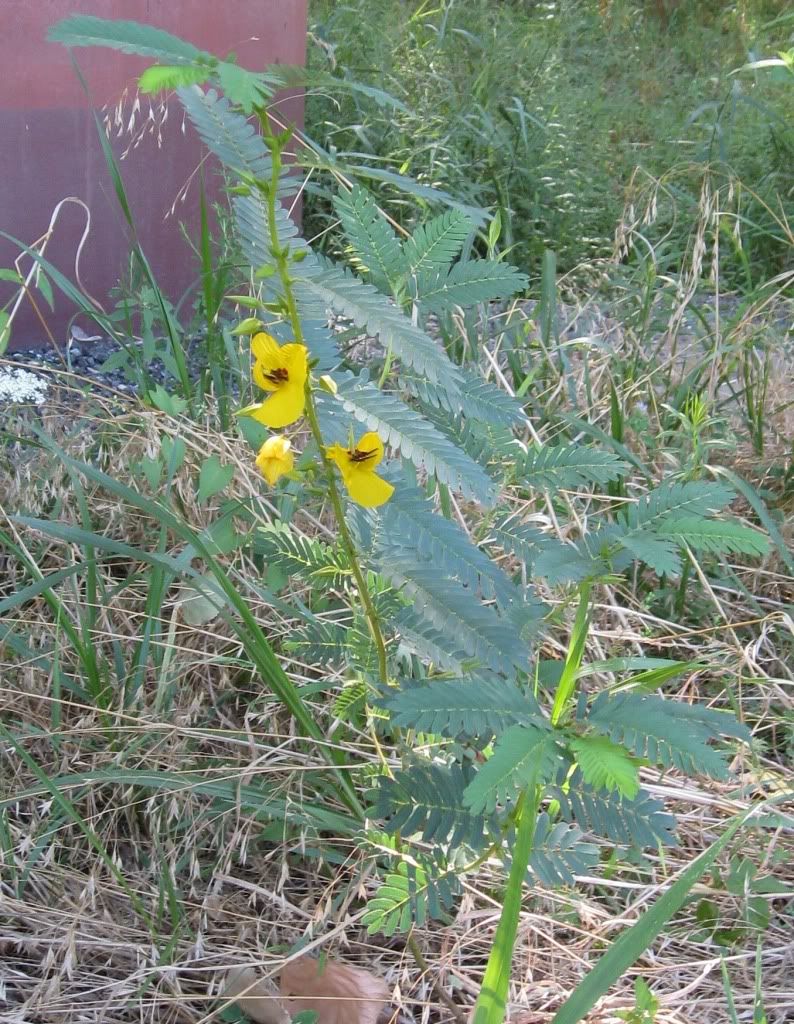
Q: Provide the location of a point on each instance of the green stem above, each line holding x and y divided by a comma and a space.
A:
680, 597
347, 541
281, 257
491, 1004
573, 660
492, 1001
386, 368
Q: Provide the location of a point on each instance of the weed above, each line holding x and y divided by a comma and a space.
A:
385, 691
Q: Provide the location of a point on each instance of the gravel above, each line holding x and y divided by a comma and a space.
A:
31, 375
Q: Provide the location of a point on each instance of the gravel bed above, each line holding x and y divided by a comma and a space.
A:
36, 375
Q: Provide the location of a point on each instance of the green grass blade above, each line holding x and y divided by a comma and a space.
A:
71, 812
245, 623
39, 587
632, 943
63, 620
573, 660
492, 1001
726, 984
229, 792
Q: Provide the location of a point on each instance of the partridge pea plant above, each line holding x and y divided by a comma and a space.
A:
498, 752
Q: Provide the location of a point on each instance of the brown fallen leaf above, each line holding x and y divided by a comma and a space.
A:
339, 994
257, 997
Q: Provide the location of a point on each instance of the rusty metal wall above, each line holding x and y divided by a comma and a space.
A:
49, 147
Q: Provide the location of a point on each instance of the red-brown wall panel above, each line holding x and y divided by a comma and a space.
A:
49, 147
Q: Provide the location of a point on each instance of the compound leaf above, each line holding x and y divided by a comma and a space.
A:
406, 897
639, 822
605, 765
127, 36
428, 799
456, 613
467, 284
376, 252
449, 707
436, 244
559, 854
554, 467
524, 756
666, 732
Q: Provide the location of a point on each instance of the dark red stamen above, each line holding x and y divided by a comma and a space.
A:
359, 456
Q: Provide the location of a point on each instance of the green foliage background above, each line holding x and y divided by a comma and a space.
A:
545, 110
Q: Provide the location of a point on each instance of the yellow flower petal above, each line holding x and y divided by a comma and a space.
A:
338, 455
266, 350
276, 447
357, 466
275, 458
367, 488
296, 360
282, 370
368, 450
282, 407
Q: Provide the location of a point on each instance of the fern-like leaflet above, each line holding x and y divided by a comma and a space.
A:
478, 399
228, 135
376, 252
126, 36
428, 799
559, 854
297, 554
524, 756
492, 447
718, 536
321, 642
483, 635
568, 466
451, 707
606, 765
414, 437
543, 555
408, 896
669, 733
639, 822
436, 244
466, 284
432, 645
408, 521
677, 499
336, 288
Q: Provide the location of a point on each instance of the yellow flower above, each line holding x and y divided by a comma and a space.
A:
357, 466
275, 458
282, 369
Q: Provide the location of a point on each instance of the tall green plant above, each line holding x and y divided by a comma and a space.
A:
504, 755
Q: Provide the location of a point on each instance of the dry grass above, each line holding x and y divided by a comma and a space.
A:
222, 886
